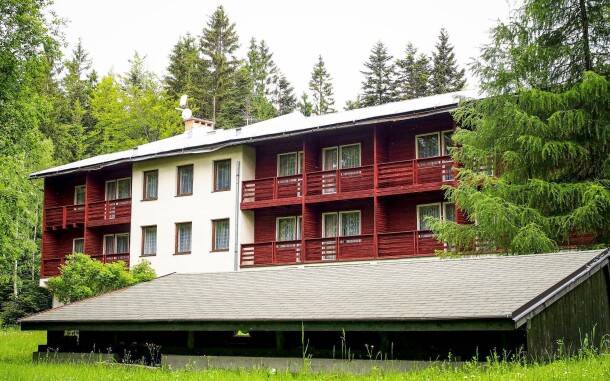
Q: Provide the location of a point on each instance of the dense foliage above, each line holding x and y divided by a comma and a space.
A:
83, 277
545, 128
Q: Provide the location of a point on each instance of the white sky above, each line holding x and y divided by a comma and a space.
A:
296, 32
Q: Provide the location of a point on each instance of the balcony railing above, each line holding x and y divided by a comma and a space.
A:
64, 216
50, 267
112, 211
398, 175
352, 248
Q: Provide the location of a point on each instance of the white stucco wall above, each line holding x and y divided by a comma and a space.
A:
200, 208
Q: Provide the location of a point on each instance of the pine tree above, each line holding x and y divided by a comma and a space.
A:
547, 44
218, 45
413, 73
188, 73
284, 99
322, 89
304, 105
446, 76
378, 85
263, 73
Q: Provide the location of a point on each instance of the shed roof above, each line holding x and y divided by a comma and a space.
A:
432, 289
202, 140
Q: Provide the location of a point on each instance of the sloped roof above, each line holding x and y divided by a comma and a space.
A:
432, 289
201, 140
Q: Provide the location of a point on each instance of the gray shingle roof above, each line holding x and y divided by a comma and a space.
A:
407, 290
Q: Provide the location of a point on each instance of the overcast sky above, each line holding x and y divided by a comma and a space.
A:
297, 32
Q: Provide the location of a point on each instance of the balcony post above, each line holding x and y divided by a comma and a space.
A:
275, 188
338, 248
375, 186
415, 172
64, 217
273, 257
304, 215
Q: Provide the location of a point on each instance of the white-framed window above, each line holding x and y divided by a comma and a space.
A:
220, 234
341, 224
439, 210
118, 189
79, 195
290, 164
149, 240
433, 144
288, 228
184, 234
78, 245
341, 157
116, 243
151, 184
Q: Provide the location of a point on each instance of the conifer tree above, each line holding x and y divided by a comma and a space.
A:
322, 89
263, 73
378, 85
187, 73
284, 99
304, 105
547, 44
446, 76
353, 104
413, 74
218, 45
238, 107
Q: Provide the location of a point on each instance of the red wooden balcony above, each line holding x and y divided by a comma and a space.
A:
336, 182
50, 267
415, 175
394, 178
64, 216
109, 212
352, 248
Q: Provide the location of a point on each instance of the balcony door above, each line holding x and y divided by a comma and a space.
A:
341, 224
340, 157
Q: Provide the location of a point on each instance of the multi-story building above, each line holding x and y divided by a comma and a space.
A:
294, 190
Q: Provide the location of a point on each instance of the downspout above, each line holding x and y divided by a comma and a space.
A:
237, 188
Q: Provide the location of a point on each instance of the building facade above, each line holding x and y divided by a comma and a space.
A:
355, 185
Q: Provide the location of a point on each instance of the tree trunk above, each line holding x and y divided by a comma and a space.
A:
15, 289
584, 22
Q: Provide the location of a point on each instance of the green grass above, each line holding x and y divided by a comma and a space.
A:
16, 349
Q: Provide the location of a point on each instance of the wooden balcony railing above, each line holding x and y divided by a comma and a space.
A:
352, 248
62, 216
112, 211
398, 175
50, 267
340, 180
416, 172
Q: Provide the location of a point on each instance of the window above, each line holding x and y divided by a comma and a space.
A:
434, 144
78, 245
445, 210
222, 175
288, 228
290, 164
117, 189
183, 237
116, 243
347, 156
342, 224
151, 185
79, 195
149, 240
185, 180
220, 235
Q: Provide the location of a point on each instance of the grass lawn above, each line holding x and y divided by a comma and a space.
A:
16, 349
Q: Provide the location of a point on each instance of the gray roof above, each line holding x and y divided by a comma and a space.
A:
201, 140
490, 287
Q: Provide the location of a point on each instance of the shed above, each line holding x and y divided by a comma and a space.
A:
408, 309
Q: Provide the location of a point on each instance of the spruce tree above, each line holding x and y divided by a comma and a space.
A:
378, 85
413, 74
446, 76
304, 105
353, 104
263, 73
547, 44
218, 45
238, 107
322, 89
284, 99
187, 73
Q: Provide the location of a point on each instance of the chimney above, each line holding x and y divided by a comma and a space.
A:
193, 123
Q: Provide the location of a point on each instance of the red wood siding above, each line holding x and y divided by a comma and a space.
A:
264, 221
59, 191
399, 213
95, 237
266, 155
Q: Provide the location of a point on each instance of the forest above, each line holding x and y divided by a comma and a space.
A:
545, 122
